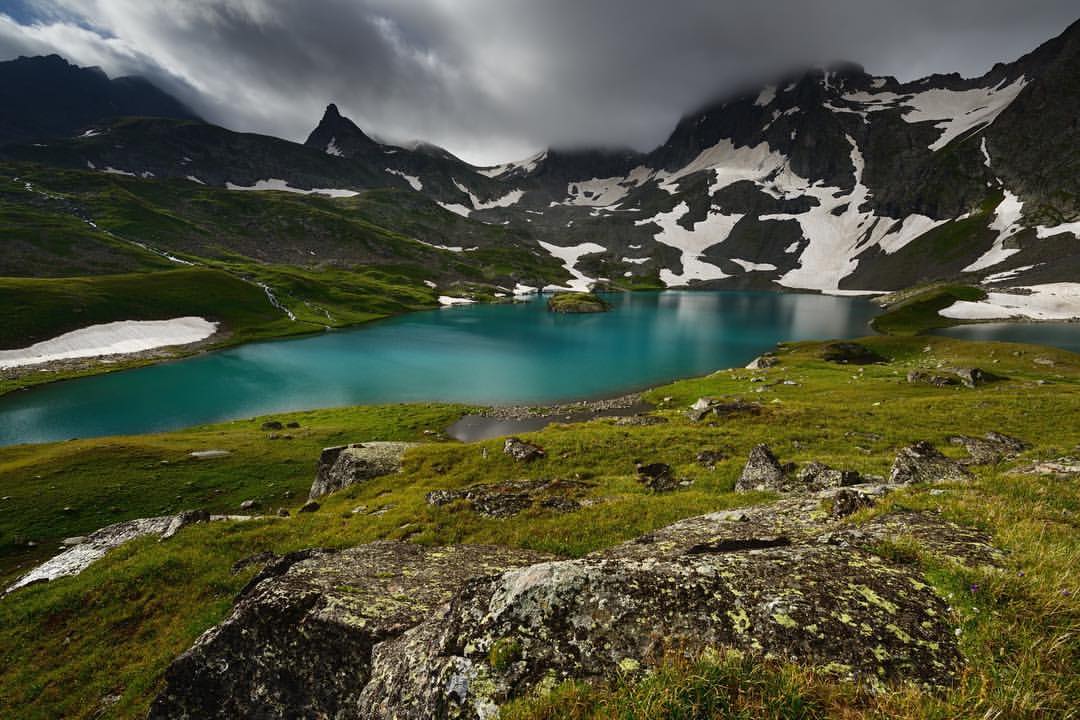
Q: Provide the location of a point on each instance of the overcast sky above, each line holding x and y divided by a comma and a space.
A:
495, 80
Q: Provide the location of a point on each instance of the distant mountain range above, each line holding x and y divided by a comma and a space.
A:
832, 180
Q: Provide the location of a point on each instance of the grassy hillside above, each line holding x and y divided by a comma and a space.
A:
98, 643
917, 310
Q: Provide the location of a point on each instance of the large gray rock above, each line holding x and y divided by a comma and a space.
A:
991, 448
848, 612
345, 465
298, 642
392, 630
761, 472
922, 463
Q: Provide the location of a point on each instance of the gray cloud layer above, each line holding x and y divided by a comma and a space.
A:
496, 79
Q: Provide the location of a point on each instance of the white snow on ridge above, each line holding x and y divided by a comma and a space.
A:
767, 95
455, 208
1007, 274
1042, 231
570, 256
447, 301
502, 201
194, 179
961, 110
596, 192
527, 165
752, 266
283, 185
730, 164
714, 229
912, 227
332, 148
449, 248
413, 180
113, 171
125, 336
1053, 301
1006, 223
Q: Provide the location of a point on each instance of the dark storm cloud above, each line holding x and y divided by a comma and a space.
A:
495, 79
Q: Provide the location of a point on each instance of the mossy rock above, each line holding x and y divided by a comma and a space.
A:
577, 303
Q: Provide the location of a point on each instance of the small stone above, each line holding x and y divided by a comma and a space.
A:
272, 425
248, 504
658, 477
292, 424
282, 512
310, 506
522, 451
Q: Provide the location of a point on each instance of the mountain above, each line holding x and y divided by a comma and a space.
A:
831, 180
46, 97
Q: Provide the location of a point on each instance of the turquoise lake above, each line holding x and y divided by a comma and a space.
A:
482, 354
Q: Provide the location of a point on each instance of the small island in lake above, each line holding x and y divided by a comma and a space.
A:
577, 302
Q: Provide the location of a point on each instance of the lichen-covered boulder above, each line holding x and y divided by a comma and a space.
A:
505, 499
299, 639
522, 451
763, 362
761, 472
850, 613
922, 463
991, 448
345, 465
658, 477
819, 476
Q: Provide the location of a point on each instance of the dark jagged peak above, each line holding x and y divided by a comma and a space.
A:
46, 97
340, 136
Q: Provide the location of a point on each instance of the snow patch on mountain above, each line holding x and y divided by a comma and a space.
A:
523, 167
413, 180
753, 266
125, 336
912, 227
1042, 231
714, 229
1006, 223
506, 200
959, 111
113, 171
730, 164
283, 186
1053, 301
596, 192
333, 149
570, 256
766, 96
455, 208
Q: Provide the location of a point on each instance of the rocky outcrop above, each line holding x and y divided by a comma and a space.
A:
763, 472
506, 499
345, 465
299, 641
396, 630
922, 463
763, 362
990, 449
970, 377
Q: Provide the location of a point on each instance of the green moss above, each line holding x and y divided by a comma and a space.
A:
504, 652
